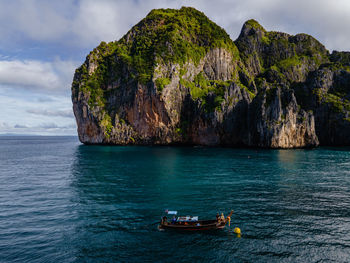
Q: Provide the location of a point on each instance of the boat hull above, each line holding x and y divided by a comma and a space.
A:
197, 226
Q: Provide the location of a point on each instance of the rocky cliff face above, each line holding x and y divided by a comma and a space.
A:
178, 78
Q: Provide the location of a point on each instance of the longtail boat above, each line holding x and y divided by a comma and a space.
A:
188, 223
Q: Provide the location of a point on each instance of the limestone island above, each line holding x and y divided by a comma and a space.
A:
177, 78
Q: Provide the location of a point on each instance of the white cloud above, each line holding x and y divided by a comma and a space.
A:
49, 125
85, 23
42, 129
44, 99
20, 126
28, 73
45, 128
32, 74
54, 113
4, 125
40, 19
35, 112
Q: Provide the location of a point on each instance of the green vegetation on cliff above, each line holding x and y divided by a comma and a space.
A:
169, 36
255, 25
164, 36
209, 92
161, 83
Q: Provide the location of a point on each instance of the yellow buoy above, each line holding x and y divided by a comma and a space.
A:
237, 230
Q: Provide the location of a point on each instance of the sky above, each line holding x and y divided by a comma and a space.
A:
42, 42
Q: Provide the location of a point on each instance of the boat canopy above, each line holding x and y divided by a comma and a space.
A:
171, 212
187, 218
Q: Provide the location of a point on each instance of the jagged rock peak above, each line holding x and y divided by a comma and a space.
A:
186, 22
252, 27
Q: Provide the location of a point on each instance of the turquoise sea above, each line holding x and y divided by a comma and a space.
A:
61, 201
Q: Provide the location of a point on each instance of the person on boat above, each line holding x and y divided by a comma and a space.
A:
222, 218
173, 221
217, 217
165, 220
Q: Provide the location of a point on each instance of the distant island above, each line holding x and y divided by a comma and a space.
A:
177, 78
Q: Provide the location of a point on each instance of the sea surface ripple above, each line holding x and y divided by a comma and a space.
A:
61, 201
